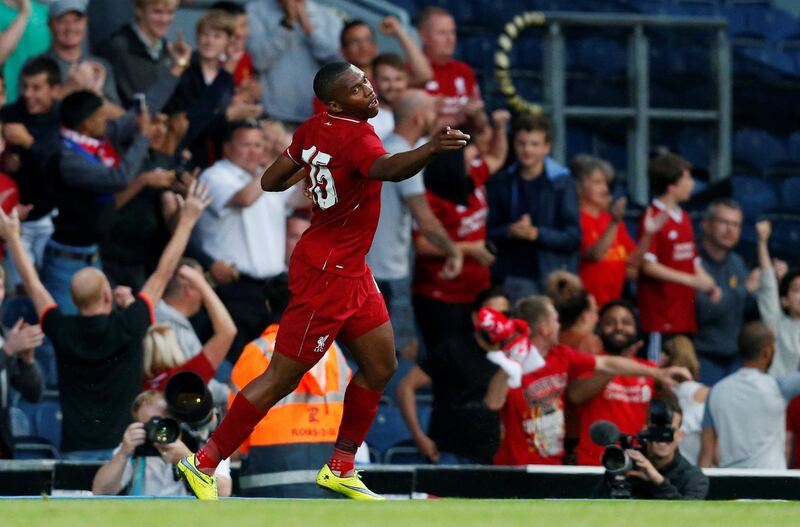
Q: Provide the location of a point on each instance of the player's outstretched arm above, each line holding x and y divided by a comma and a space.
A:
402, 166
281, 175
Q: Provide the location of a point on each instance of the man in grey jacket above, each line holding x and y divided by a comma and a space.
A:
291, 40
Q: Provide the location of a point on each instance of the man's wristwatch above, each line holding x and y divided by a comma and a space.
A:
182, 62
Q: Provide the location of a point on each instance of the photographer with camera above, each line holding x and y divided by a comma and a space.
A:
649, 465
143, 464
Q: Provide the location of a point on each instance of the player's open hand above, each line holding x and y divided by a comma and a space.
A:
449, 139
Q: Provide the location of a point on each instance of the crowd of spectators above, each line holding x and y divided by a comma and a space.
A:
136, 225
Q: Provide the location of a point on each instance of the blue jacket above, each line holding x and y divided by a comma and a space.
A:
554, 212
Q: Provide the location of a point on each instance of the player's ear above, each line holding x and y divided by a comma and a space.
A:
334, 107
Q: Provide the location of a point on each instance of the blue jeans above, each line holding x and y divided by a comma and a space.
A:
713, 370
58, 270
34, 235
89, 455
518, 287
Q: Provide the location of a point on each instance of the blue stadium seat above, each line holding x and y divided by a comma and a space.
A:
44, 417
793, 147
695, 144
387, 429
759, 22
758, 148
785, 240
20, 424
404, 453
16, 308
756, 195
599, 55
790, 194
699, 7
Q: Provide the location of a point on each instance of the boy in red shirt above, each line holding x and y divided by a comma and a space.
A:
333, 292
671, 271
532, 416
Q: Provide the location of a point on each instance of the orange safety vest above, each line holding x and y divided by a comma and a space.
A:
310, 414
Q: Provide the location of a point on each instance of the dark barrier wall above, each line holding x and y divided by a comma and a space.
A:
27, 478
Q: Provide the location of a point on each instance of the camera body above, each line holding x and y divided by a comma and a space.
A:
615, 460
158, 431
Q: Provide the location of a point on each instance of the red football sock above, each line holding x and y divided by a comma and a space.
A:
231, 432
360, 407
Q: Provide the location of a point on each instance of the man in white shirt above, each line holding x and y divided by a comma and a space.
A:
391, 82
744, 425
246, 226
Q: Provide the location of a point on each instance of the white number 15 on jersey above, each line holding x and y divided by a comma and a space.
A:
322, 187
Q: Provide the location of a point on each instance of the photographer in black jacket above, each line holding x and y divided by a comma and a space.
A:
663, 474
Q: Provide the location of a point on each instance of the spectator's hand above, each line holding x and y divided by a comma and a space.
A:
482, 254
17, 134
427, 447
618, 208
23, 6
249, 91
9, 224
302, 15
753, 282
715, 295
702, 280
223, 272
11, 162
184, 180
391, 26
645, 469
672, 375
781, 268
654, 222
180, 52
134, 436
523, 229
23, 210
241, 111
143, 122
158, 178
452, 266
449, 139
474, 107
171, 453
763, 230
22, 339
500, 118
123, 296
192, 277
195, 203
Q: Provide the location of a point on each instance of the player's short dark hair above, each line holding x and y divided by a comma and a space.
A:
492, 292
753, 338
350, 24
42, 64
247, 124
533, 122
665, 169
77, 107
389, 59
232, 8
325, 79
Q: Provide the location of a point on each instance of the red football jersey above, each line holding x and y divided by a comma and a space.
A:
533, 416
462, 224
667, 307
793, 425
624, 402
455, 82
606, 278
337, 153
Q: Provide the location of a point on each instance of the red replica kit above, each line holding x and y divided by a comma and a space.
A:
606, 278
333, 291
455, 82
667, 307
624, 401
533, 416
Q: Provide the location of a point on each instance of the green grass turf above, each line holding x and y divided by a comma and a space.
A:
431, 513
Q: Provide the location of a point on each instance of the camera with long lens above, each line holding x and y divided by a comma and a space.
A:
158, 431
191, 403
615, 460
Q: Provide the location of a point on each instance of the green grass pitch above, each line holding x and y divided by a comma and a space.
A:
431, 513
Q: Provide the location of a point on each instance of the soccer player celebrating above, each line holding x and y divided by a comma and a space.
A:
333, 292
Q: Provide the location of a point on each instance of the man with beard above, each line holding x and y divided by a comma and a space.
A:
622, 400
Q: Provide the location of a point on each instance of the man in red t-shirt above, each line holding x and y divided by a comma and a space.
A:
333, 292
608, 254
793, 433
454, 81
671, 271
532, 416
602, 397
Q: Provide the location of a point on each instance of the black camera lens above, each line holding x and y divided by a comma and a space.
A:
162, 430
615, 460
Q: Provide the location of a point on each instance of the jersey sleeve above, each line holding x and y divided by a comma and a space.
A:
587, 240
653, 250
579, 363
295, 150
364, 151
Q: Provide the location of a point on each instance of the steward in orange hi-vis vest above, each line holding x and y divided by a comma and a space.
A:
287, 447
